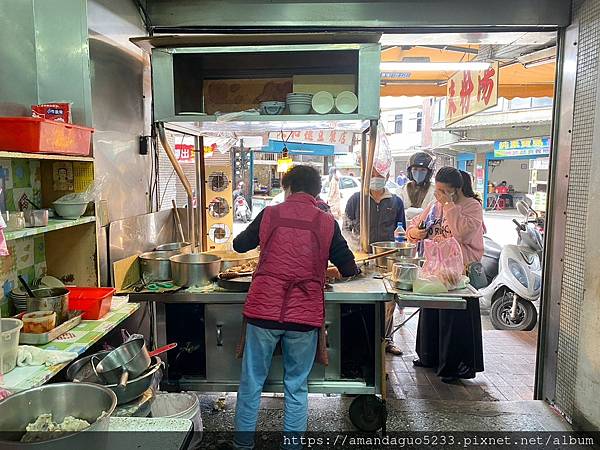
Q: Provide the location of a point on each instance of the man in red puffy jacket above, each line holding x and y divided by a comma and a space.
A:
286, 299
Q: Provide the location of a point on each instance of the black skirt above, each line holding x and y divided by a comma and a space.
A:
450, 339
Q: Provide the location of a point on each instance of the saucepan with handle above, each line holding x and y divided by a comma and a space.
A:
129, 360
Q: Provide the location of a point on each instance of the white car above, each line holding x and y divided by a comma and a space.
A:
348, 186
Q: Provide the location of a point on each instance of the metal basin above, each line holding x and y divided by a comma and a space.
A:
403, 249
155, 266
51, 299
195, 269
182, 247
81, 400
391, 260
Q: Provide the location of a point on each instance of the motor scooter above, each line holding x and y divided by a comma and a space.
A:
241, 210
514, 274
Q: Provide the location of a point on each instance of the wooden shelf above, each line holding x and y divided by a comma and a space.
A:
53, 224
24, 155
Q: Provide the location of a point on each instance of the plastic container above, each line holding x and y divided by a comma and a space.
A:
399, 233
39, 322
180, 406
33, 135
9, 342
94, 302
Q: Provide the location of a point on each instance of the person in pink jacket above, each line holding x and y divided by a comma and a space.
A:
450, 341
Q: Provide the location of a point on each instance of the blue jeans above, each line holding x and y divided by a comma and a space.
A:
299, 349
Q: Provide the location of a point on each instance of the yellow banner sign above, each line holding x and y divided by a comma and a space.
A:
471, 91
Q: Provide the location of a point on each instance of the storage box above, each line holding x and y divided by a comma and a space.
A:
33, 135
94, 302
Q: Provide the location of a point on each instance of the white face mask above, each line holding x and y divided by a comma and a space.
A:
377, 183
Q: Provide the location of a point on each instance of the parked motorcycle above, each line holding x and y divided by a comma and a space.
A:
241, 210
514, 274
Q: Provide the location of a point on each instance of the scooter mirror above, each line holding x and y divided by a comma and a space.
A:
523, 208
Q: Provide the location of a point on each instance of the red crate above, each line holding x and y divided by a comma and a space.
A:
94, 302
33, 135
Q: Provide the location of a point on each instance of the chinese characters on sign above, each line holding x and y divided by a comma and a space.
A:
470, 92
184, 152
331, 137
522, 147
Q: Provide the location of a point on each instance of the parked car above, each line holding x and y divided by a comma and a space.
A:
348, 186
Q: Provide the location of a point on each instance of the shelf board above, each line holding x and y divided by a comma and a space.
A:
24, 155
262, 123
53, 224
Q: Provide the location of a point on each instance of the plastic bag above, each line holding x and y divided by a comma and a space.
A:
92, 193
444, 261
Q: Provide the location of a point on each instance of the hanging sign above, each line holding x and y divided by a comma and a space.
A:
471, 91
184, 152
522, 147
334, 137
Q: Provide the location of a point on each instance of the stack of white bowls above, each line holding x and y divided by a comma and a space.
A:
19, 299
299, 104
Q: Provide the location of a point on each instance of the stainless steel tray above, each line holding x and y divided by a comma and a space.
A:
44, 338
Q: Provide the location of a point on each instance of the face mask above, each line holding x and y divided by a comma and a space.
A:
377, 183
419, 177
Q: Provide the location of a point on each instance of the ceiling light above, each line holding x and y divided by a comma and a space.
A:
433, 66
539, 62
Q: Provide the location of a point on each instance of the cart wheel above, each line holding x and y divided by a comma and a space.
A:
368, 413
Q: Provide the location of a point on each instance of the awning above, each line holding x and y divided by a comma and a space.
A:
515, 80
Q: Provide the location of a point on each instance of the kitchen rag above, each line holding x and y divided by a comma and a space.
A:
28, 355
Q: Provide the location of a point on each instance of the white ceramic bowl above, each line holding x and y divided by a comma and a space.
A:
323, 102
299, 108
70, 210
346, 102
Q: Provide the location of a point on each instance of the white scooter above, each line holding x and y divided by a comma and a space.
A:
515, 276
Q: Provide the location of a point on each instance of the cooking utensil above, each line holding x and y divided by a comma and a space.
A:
178, 221
54, 299
401, 249
36, 218
391, 260
240, 284
195, 269
86, 401
74, 319
82, 371
68, 210
25, 286
178, 247
15, 220
403, 275
10, 330
155, 266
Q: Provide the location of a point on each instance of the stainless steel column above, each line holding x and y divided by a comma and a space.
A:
366, 165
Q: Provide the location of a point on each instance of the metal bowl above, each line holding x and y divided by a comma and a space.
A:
195, 269
133, 389
155, 266
391, 260
182, 247
86, 401
403, 249
50, 299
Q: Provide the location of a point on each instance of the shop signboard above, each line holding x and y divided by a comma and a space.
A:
330, 137
537, 146
479, 178
539, 201
184, 152
471, 91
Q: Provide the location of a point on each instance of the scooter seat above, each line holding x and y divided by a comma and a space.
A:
491, 249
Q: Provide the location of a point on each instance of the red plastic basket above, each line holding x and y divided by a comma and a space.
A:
94, 302
33, 135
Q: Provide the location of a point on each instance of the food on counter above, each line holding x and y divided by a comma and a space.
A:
39, 322
44, 428
247, 267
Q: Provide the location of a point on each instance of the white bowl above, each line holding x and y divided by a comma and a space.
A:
346, 102
70, 210
299, 109
322, 102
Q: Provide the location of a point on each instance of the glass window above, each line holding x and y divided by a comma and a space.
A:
419, 121
497, 108
543, 102
398, 124
520, 103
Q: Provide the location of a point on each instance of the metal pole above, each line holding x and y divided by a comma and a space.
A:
202, 230
160, 127
367, 157
199, 150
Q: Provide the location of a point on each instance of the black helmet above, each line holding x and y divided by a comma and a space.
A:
420, 159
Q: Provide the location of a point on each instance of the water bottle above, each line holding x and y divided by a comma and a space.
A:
399, 233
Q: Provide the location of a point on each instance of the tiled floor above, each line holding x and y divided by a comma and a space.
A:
509, 368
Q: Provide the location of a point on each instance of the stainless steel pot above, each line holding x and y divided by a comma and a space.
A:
404, 275
85, 401
195, 269
155, 266
403, 249
36, 217
133, 389
391, 260
181, 247
50, 299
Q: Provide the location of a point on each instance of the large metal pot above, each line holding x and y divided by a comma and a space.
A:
85, 401
195, 269
180, 247
231, 259
403, 249
155, 266
50, 299
133, 389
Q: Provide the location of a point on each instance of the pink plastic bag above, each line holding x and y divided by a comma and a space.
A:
444, 261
